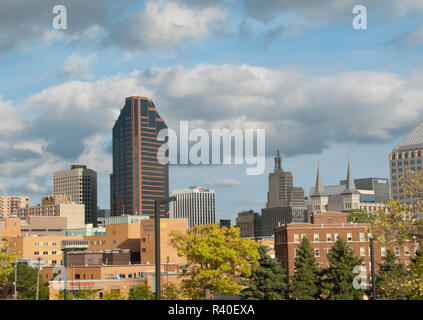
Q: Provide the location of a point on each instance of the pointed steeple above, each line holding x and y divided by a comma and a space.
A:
319, 189
278, 161
350, 185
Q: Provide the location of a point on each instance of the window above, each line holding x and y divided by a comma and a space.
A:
362, 237
362, 252
54, 252
397, 251
36, 253
45, 244
349, 236
336, 236
383, 251
303, 235
296, 238
295, 252
407, 251
78, 276
316, 237
318, 264
143, 249
328, 237
54, 243
53, 261
45, 253
36, 244
316, 252
113, 241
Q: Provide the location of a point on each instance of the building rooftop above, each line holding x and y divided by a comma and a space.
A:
414, 140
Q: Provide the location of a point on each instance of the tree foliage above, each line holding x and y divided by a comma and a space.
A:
305, 284
141, 292
267, 282
26, 284
358, 216
113, 294
8, 257
170, 292
338, 278
214, 256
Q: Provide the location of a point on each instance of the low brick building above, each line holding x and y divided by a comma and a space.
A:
323, 233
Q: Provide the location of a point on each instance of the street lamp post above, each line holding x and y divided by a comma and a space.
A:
38, 279
157, 204
15, 293
372, 258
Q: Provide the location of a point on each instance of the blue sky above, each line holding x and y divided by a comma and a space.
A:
321, 89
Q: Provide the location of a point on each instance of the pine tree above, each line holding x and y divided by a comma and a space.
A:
305, 284
267, 282
338, 278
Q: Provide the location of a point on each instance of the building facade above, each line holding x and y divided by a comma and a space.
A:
138, 178
323, 233
8, 204
346, 196
285, 203
195, 204
407, 155
249, 224
80, 184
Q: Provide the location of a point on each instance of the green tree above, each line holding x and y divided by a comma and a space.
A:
141, 292
358, 216
26, 284
305, 284
267, 282
78, 295
338, 278
113, 294
389, 279
8, 257
171, 292
214, 255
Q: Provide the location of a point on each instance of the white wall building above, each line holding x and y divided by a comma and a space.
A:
196, 204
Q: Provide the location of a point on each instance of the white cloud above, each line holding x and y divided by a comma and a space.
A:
77, 66
164, 24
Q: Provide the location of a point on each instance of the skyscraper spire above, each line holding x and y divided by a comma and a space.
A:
319, 189
350, 185
278, 162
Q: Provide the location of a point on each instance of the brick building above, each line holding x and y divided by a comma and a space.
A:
322, 234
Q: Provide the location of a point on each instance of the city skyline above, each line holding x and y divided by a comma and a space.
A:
321, 89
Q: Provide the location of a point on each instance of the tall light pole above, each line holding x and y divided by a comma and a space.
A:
372, 258
38, 279
15, 293
157, 204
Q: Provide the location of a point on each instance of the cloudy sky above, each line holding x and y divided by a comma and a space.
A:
321, 89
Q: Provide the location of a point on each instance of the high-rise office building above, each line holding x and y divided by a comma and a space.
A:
196, 204
407, 155
80, 183
285, 203
138, 178
249, 224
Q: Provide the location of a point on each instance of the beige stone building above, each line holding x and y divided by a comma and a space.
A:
55, 214
80, 184
9, 203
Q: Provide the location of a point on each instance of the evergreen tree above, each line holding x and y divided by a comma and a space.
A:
391, 272
338, 278
267, 282
305, 284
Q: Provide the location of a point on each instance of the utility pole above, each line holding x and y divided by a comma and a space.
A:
157, 204
372, 257
38, 279
15, 293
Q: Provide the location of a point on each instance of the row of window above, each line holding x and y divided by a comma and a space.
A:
44, 253
45, 244
412, 155
316, 237
397, 251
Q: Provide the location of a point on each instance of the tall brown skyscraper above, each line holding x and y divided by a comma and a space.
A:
138, 178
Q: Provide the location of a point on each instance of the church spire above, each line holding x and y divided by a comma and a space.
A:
350, 185
278, 161
319, 189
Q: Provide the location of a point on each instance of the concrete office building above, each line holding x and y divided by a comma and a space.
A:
138, 178
285, 203
249, 224
80, 183
9, 203
407, 155
195, 204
